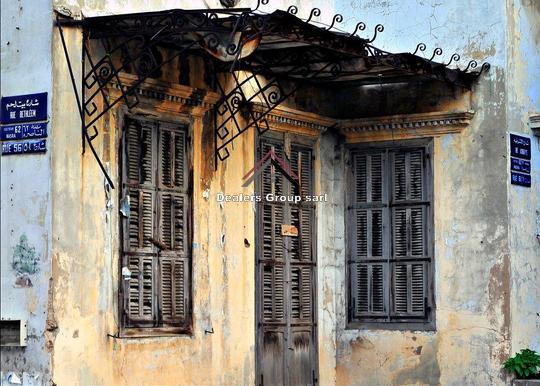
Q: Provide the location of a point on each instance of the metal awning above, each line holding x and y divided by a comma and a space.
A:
277, 52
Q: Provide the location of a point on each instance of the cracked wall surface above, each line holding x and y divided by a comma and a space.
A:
25, 205
486, 254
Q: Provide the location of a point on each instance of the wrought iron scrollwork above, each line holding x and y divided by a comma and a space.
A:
436, 52
315, 12
420, 47
230, 39
359, 27
378, 28
336, 19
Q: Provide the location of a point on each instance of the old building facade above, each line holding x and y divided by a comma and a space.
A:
155, 249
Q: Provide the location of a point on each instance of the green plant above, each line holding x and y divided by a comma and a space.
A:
525, 364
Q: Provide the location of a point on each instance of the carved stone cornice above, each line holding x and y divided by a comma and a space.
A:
405, 126
169, 93
286, 118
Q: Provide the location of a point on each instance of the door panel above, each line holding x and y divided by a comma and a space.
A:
272, 361
301, 357
286, 266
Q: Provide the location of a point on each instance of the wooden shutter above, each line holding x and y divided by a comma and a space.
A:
368, 261
273, 296
139, 283
409, 288
156, 232
301, 296
272, 256
410, 253
389, 214
173, 226
140, 139
301, 165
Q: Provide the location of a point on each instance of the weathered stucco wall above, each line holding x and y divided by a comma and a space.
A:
486, 252
25, 212
86, 265
482, 257
523, 99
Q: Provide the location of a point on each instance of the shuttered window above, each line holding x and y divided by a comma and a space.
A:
155, 210
389, 222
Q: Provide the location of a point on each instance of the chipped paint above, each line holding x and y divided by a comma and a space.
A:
486, 265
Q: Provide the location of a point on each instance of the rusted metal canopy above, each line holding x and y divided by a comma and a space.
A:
279, 52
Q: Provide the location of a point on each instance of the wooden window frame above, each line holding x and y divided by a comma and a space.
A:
161, 330
429, 323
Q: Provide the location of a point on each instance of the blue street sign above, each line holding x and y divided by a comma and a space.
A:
520, 146
23, 147
23, 131
24, 108
520, 165
521, 179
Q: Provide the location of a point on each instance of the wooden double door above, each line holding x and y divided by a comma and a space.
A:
286, 266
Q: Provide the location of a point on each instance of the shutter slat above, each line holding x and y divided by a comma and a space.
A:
294, 242
377, 288
409, 289
172, 230
272, 179
417, 232
361, 293
273, 292
400, 289
141, 220
307, 292
139, 145
301, 165
278, 238
165, 162
173, 290
361, 234
400, 177
408, 176
360, 173
399, 227
140, 306
376, 177
369, 293
376, 233
172, 158
409, 229
267, 242
416, 181
179, 158
306, 242
301, 292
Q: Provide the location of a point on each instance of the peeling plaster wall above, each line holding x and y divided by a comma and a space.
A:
471, 273
478, 253
486, 252
523, 98
25, 212
85, 257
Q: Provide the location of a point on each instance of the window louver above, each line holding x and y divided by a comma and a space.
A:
140, 305
156, 248
388, 220
273, 292
301, 292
